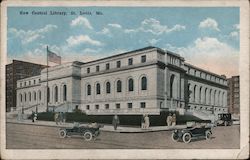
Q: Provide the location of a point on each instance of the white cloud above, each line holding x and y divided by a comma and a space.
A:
81, 21
234, 34
115, 25
104, 31
155, 27
82, 39
154, 41
236, 26
31, 35
211, 54
209, 23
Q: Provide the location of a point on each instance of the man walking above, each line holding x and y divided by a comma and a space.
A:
174, 120
147, 122
169, 119
115, 122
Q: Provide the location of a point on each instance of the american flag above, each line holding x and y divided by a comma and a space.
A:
52, 57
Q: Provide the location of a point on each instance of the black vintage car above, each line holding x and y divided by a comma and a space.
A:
196, 131
88, 132
224, 119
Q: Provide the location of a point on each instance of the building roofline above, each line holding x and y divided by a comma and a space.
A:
15, 60
190, 65
121, 54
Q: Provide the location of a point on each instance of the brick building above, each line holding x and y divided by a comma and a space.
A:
15, 71
233, 98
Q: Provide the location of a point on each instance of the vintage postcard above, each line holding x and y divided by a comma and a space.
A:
125, 79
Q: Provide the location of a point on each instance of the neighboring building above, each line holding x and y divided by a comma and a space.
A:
233, 97
15, 71
144, 81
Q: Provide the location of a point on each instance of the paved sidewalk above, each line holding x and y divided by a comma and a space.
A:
107, 127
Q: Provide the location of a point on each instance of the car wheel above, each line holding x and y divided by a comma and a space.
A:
87, 136
225, 123
208, 135
186, 137
62, 134
175, 137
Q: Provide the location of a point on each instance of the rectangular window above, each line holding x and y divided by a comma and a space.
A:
143, 59
130, 105
107, 66
143, 105
117, 105
88, 70
97, 68
97, 106
87, 107
21, 84
130, 61
118, 64
29, 83
106, 106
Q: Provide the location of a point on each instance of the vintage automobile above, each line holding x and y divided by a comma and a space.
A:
88, 132
224, 119
191, 132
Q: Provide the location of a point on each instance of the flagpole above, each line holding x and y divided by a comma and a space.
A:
47, 81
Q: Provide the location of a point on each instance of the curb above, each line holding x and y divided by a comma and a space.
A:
101, 129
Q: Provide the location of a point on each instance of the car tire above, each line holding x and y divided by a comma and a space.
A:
62, 134
208, 135
175, 137
87, 136
186, 137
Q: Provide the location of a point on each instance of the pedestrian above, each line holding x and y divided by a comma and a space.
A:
115, 122
60, 117
174, 120
147, 122
64, 117
56, 116
143, 122
35, 117
32, 116
19, 115
169, 119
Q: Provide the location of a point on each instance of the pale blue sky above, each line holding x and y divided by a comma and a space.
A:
200, 33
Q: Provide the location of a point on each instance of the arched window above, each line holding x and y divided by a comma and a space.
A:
194, 93
21, 97
25, 97
34, 95
222, 103
219, 99
171, 85
98, 88
215, 97
130, 84
48, 94
40, 95
64, 92
200, 95
56, 94
210, 97
108, 87
119, 86
29, 96
205, 98
143, 83
89, 89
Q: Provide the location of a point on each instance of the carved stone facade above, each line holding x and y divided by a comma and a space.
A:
144, 81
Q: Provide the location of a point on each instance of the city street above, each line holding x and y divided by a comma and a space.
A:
21, 136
